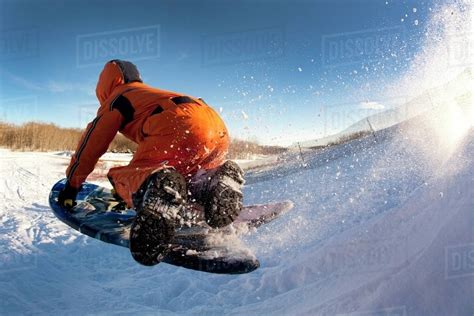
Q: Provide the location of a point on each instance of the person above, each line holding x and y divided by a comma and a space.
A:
182, 144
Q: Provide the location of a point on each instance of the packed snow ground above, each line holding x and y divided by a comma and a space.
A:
382, 225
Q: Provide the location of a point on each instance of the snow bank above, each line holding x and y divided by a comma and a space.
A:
376, 228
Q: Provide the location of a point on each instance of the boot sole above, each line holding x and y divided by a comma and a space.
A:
155, 225
225, 199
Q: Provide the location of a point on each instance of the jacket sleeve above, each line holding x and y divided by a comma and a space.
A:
93, 144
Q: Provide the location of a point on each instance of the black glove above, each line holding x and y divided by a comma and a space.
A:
67, 197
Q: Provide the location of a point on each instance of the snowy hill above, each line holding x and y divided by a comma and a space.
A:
459, 87
381, 225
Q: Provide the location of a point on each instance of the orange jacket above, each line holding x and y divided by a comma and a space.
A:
126, 104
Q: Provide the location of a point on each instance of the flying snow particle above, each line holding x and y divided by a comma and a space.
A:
299, 69
244, 115
414, 10
416, 22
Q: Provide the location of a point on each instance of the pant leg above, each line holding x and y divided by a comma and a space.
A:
127, 180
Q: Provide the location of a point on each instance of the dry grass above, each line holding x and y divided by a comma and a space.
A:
49, 137
241, 149
35, 136
38, 136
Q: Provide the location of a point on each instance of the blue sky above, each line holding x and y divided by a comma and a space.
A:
279, 71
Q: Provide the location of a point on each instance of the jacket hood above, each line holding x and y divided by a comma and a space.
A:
115, 73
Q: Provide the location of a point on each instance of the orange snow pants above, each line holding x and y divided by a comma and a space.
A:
187, 138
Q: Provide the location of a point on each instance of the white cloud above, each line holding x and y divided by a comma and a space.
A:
371, 105
55, 86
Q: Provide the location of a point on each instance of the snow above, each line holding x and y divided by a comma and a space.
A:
380, 225
109, 156
231, 183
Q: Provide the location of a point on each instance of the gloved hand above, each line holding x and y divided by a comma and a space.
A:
67, 197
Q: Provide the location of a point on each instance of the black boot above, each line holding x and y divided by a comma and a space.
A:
158, 205
117, 204
219, 191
